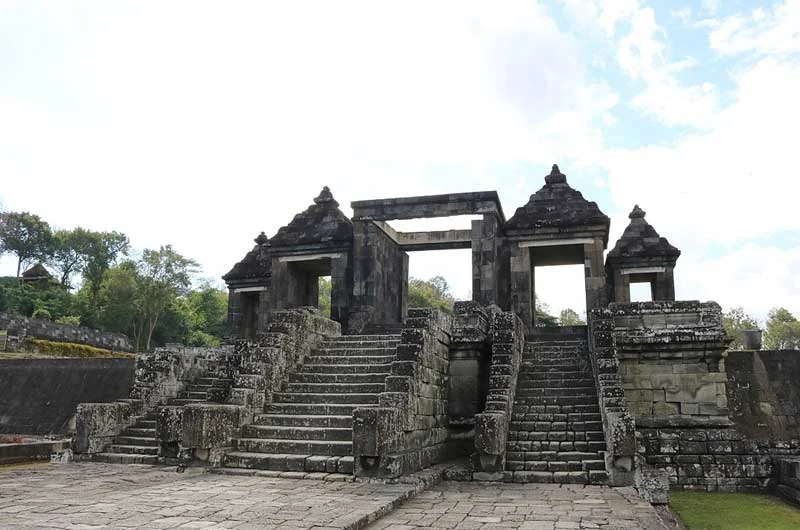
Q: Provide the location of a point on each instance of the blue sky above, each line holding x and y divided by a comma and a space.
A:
202, 123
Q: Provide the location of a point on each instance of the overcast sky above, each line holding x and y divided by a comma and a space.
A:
199, 124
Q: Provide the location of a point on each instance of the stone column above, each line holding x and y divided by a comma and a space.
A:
595, 276
521, 295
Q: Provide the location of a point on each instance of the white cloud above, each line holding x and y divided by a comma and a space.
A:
773, 32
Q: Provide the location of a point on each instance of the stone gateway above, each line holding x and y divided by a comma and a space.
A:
639, 396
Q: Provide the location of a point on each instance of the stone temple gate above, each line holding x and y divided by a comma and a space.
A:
367, 259
638, 395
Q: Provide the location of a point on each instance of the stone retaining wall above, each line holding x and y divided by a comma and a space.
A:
43, 329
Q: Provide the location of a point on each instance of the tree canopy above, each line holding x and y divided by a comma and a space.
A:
26, 236
783, 330
434, 293
735, 321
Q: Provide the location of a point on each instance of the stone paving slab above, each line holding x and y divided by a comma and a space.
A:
92, 496
482, 505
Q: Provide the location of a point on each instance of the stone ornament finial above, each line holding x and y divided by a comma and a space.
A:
262, 239
637, 213
324, 196
555, 176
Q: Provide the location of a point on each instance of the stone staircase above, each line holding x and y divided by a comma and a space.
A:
556, 432
308, 426
138, 445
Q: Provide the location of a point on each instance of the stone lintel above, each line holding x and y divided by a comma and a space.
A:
556, 242
250, 289
643, 270
310, 257
427, 206
431, 240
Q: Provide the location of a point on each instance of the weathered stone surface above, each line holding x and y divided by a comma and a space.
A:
207, 426
96, 424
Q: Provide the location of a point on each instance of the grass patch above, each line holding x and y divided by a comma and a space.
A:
733, 511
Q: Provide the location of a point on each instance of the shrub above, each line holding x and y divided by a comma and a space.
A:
69, 320
41, 314
70, 349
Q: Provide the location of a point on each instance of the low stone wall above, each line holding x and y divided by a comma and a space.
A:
39, 396
408, 430
43, 329
491, 426
788, 479
764, 394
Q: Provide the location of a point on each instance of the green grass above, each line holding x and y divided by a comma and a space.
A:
733, 511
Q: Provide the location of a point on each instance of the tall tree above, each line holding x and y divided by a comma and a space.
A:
70, 252
570, 317
543, 317
783, 330
433, 293
735, 320
103, 251
163, 275
25, 235
324, 302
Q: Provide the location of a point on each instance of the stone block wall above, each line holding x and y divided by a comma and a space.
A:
380, 279
408, 430
43, 329
618, 423
491, 426
39, 396
764, 393
788, 479
266, 362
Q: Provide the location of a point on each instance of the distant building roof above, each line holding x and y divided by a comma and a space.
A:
37, 272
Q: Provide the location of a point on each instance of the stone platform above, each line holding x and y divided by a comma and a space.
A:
107, 496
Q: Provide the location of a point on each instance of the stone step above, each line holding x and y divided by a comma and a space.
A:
559, 477
367, 337
193, 394
289, 462
146, 432
132, 449
576, 416
544, 465
550, 343
145, 424
124, 458
532, 375
554, 456
582, 381
212, 381
533, 391
556, 400
520, 408
334, 368
304, 377
314, 409
338, 388
305, 447
317, 421
350, 359
558, 446
136, 440
348, 350
183, 401
328, 398
567, 436
546, 426
297, 433
534, 368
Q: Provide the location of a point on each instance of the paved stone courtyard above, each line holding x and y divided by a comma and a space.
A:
87, 496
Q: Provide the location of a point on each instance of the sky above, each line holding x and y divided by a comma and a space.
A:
200, 124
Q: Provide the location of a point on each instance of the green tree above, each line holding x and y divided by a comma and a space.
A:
163, 275
70, 252
543, 317
115, 306
207, 310
26, 236
735, 320
325, 296
569, 317
43, 296
102, 252
783, 330
433, 293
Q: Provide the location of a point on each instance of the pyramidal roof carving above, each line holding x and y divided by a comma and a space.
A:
556, 205
320, 223
640, 240
255, 264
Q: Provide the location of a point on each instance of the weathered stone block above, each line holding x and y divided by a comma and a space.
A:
207, 425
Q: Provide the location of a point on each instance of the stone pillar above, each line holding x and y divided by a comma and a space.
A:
341, 286
595, 276
485, 260
522, 302
234, 322
663, 287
